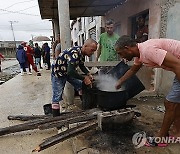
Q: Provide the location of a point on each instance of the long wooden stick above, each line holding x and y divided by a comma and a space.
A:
26, 118
32, 117
65, 135
68, 121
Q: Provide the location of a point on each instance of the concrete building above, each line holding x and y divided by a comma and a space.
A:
162, 17
7, 48
86, 27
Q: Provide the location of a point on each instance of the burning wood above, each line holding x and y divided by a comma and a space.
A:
65, 135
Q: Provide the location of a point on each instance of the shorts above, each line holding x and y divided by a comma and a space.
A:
174, 94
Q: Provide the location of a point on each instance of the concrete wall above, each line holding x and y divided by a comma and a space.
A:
170, 29
173, 21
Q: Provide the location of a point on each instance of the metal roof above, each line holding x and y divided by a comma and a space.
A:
78, 8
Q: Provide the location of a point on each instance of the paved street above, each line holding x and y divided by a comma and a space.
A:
26, 95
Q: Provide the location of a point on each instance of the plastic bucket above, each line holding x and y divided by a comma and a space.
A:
47, 109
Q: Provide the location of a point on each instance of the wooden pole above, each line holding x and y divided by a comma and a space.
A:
26, 118
32, 117
65, 135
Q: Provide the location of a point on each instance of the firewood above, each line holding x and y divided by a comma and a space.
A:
65, 135
68, 121
30, 125
26, 118
32, 117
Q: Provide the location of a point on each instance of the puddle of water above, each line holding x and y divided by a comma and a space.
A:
9, 73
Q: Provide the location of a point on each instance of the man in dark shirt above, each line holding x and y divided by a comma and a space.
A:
65, 70
37, 55
47, 55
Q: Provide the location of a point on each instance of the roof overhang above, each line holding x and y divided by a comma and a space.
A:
78, 8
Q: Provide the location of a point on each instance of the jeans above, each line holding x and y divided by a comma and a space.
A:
58, 85
37, 61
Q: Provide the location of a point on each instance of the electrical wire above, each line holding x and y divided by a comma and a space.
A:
27, 30
43, 21
18, 3
19, 12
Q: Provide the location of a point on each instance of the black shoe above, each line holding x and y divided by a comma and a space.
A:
38, 74
48, 69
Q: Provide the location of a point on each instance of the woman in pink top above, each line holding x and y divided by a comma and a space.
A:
162, 53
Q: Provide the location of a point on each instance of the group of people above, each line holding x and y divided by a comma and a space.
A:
26, 55
157, 53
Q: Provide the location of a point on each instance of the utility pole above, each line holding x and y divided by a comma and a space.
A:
11, 22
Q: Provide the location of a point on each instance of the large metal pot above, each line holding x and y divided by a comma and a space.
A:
112, 100
93, 97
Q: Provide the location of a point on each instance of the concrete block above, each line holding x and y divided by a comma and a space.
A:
112, 119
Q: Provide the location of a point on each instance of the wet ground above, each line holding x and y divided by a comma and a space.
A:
9, 73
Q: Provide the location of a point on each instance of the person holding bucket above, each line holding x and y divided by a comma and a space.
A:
157, 53
65, 70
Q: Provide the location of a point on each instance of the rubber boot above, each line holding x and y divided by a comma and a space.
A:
55, 110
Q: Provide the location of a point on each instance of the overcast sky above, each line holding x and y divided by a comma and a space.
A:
27, 22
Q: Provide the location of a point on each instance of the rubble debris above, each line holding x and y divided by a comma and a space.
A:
159, 108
